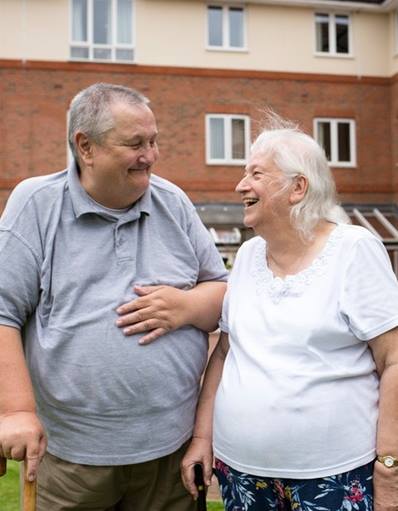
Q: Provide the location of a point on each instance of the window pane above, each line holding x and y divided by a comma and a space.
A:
102, 21
79, 20
343, 135
238, 139
217, 149
124, 21
236, 27
342, 26
125, 55
78, 53
322, 32
102, 53
214, 18
324, 138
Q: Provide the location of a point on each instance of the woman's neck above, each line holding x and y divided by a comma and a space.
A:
288, 253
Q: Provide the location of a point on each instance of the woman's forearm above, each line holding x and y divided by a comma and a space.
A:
204, 413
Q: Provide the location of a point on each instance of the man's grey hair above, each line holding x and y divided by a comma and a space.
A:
296, 153
90, 110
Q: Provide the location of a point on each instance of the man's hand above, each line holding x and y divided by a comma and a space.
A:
199, 451
22, 437
158, 310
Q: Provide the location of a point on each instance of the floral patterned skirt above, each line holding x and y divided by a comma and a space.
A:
350, 491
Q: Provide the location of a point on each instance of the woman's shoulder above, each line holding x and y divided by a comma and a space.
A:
355, 235
250, 246
355, 232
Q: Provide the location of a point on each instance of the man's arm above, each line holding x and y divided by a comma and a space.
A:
21, 434
385, 480
161, 309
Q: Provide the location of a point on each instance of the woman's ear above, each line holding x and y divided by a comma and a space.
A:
84, 148
299, 189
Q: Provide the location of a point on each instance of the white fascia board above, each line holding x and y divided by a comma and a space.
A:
386, 6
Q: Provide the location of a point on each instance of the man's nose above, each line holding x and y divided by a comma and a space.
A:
149, 154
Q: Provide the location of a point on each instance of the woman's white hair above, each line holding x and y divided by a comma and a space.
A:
296, 153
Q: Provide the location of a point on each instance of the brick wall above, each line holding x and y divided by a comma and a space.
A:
394, 135
34, 98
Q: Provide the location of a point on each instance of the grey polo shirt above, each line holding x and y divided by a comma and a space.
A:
67, 263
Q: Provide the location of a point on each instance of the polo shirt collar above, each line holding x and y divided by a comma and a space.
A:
83, 204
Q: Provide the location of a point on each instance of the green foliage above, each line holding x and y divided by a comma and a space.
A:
9, 485
9, 499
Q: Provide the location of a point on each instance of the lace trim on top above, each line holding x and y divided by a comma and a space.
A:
291, 285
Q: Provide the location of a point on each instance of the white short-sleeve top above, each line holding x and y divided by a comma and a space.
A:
298, 395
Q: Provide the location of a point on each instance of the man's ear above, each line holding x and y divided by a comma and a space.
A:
84, 148
299, 189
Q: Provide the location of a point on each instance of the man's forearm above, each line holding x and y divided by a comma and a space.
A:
16, 392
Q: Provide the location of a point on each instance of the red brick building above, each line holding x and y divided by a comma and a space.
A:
210, 68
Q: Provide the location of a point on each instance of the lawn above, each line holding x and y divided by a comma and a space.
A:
9, 500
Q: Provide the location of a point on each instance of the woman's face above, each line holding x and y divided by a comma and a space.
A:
264, 191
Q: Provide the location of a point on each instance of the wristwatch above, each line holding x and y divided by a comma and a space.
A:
388, 461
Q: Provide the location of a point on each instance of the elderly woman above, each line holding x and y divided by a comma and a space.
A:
300, 397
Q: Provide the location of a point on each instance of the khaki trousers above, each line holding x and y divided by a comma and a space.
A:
150, 486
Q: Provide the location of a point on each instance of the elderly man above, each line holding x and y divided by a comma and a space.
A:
97, 262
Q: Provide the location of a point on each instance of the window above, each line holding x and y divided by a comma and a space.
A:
102, 30
396, 30
227, 139
337, 137
225, 27
333, 33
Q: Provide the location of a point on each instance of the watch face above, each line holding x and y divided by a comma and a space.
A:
388, 461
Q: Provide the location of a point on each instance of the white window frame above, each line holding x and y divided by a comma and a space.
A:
228, 160
90, 31
334, 162
226, 28
332, 35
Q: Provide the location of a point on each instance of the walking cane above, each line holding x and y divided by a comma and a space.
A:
29, 488
200, 485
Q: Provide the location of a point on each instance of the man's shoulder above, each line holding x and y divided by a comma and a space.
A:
30, 186
167, 188
38, 190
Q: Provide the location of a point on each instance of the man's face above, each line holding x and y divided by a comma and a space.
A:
118, 170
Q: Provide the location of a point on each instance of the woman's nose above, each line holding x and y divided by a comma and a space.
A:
243, 185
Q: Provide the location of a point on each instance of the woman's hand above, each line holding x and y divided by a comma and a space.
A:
199, 452
162, 309
385, 484
158, 310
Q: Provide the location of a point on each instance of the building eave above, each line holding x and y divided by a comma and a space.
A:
383, 6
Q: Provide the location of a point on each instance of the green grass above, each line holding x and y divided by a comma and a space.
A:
215, 506
9, 500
